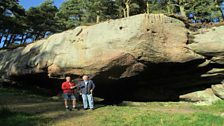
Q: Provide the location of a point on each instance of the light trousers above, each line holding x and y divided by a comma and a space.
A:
88, 101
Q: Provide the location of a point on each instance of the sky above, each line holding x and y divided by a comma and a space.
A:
32, 3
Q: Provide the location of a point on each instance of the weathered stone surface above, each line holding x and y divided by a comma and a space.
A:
218, 90
125, 43
204, 97
218, 60
143, 57
210, 43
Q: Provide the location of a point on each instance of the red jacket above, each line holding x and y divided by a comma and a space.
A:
66, 87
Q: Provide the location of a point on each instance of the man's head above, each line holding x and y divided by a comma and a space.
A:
68, 78
85, 77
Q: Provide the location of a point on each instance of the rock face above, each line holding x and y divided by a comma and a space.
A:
205, 97
218, 90
209, 43
143, 57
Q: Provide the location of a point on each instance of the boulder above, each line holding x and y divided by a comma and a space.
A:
143, 57
203, 97
218, 90
209, 43
127, 43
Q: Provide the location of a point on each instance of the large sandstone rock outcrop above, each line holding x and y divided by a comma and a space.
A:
143, 57
210, 44
122, 43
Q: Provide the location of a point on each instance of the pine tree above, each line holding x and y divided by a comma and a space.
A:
73, 13
11, 20
202, 9
41, 20
70, 14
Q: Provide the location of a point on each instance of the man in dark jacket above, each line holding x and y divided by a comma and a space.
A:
86, 90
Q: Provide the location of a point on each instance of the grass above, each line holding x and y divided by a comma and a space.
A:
9, 118
215, 108
125, 116
26, 109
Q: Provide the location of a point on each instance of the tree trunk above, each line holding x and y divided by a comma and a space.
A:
127, 8
21, 41
1, 36
44, 34
12, 38
124, 11
6, 40
182, 11
37, 36
10, 41
98, 19
25, 38
147, 7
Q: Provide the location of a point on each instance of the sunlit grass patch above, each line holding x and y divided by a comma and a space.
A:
125, 116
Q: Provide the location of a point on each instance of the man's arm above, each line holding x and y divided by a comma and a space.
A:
80, 88
93, 87
73, 86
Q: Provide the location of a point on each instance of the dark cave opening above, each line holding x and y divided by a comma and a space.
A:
158, 82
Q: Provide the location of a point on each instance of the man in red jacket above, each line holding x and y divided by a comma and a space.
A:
68, 92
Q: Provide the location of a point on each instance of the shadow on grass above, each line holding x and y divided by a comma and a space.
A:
44, 117
9, 118
24, 109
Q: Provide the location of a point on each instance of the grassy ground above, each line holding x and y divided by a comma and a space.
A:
25, 109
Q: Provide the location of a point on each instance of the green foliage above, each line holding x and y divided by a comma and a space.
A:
41, 19
137, 7
18, 25
73, 13
112, 10
11, 19
69, 14
159, 7
202, 9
